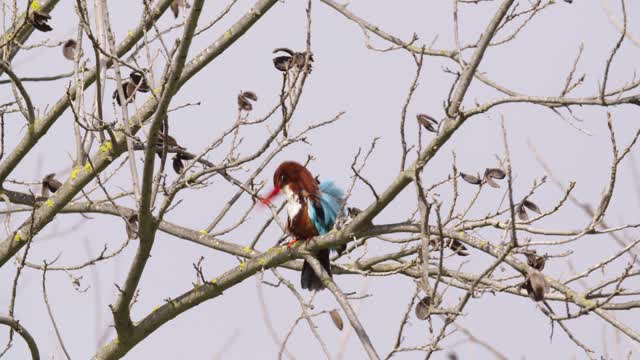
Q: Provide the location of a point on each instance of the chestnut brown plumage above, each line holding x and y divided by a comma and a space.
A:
312, 210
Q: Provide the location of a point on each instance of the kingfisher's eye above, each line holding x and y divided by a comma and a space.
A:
282, 178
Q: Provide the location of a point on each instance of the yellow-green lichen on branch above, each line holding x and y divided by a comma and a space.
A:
75, 172
106, 147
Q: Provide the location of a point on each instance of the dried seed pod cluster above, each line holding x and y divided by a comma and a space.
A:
173, 146
129, 90
536, 285
244, 100
177, 161
337, 319
422, 308
176, 5
427, 122
39, 20
170, 142
70, 49
353, 211
293, 60
131, 226
534, 260
521, 209
456, 246
136, 82
489, 177
49, 183
138, 79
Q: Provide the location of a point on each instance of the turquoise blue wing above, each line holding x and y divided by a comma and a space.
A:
324, 211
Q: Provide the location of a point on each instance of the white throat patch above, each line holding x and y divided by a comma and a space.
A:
293, 202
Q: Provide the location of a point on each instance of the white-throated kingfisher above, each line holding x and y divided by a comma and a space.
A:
312, 207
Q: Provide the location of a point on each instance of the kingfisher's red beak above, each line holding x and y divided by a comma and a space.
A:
272, 194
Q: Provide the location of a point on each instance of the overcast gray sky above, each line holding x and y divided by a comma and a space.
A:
371, 87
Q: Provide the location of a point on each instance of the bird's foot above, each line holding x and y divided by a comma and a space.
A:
291, 243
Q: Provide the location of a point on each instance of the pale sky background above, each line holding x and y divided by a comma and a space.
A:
371, 88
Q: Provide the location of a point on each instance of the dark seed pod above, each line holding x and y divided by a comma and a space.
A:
452, 356
340, 249
536, 285
176, 5
426, 118
286, 50
535, 261
337, 319
129, 90
458, 248
491, 182
50, 184
170, 140
137, 79
178, 165
353, 211
531, 206
282, 63
131, 226
494, 173
244, 104
427, 122
39, 20
422, 308
522, 213
299, 61
186, 156
69, 49
470, 179
250, 95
